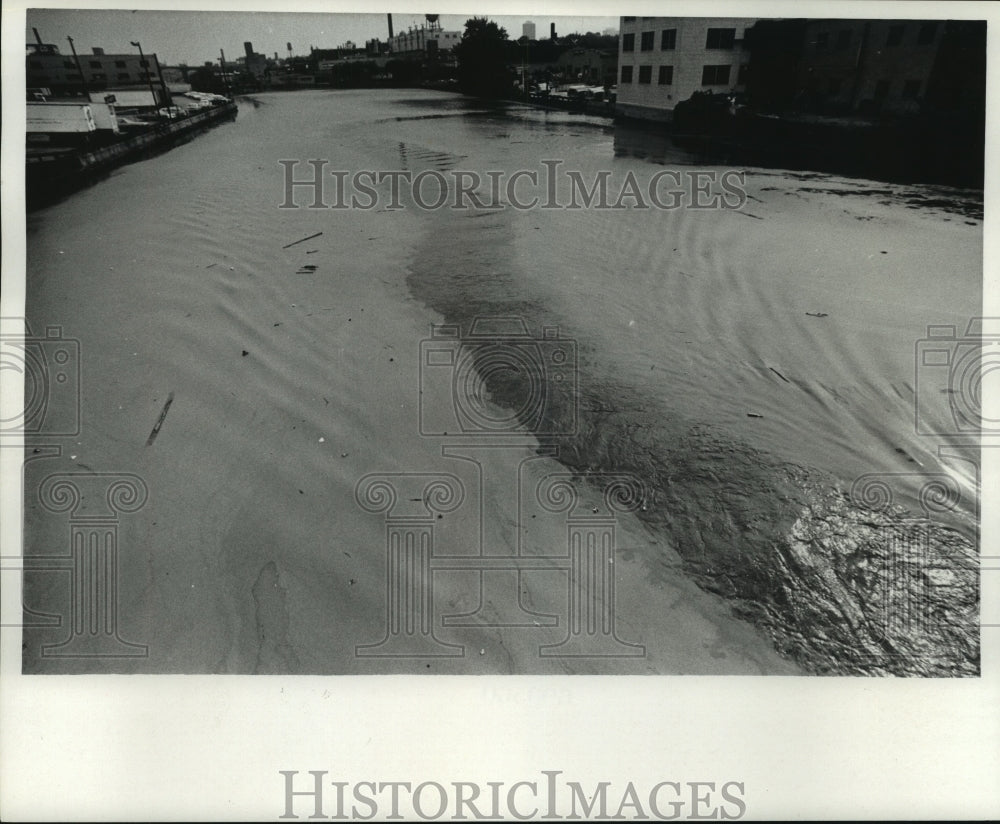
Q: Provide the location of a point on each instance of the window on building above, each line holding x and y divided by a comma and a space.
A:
98, 76
119, 64
882, 89
647, 41
822, 39
69, 64
645, 74
715, 76
720, 39
843, 38
666, 76
95, 64
628, 42
123, 76
668, 39
741, 75
895, 36
911, 89
626, 74
926, 34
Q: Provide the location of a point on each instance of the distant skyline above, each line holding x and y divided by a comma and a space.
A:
194, 37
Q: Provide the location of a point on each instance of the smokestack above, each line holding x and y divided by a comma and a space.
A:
38, 37
248, 48
388, 15
552, 31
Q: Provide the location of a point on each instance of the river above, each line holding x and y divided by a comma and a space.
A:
738, 366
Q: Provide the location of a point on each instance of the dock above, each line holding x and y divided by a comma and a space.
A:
50, 172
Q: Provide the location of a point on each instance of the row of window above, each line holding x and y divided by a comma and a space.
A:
94, 64
714, 39
726, 38
893, 37
95, 77
710, 75
665, 76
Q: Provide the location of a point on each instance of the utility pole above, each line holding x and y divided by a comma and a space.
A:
83, 80
167, 98
149, 76
225, 78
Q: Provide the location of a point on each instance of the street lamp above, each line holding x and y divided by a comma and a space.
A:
149, 76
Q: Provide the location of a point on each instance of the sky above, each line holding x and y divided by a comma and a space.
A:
193, 37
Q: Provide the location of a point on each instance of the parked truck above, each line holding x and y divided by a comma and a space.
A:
60, 118
105, 117
59, 124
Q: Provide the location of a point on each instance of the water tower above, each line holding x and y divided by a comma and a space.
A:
433, 21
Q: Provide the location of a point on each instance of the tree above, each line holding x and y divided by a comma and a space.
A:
482, 59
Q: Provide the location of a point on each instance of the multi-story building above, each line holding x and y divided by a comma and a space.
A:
864, 66
65, 75
528, 29
424, 40
664, 60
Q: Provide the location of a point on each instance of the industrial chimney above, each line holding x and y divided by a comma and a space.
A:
390, 25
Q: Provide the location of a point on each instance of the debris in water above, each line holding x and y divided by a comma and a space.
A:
159, 422
302, 240
776, 372
817, 314
245, 353
754, 415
